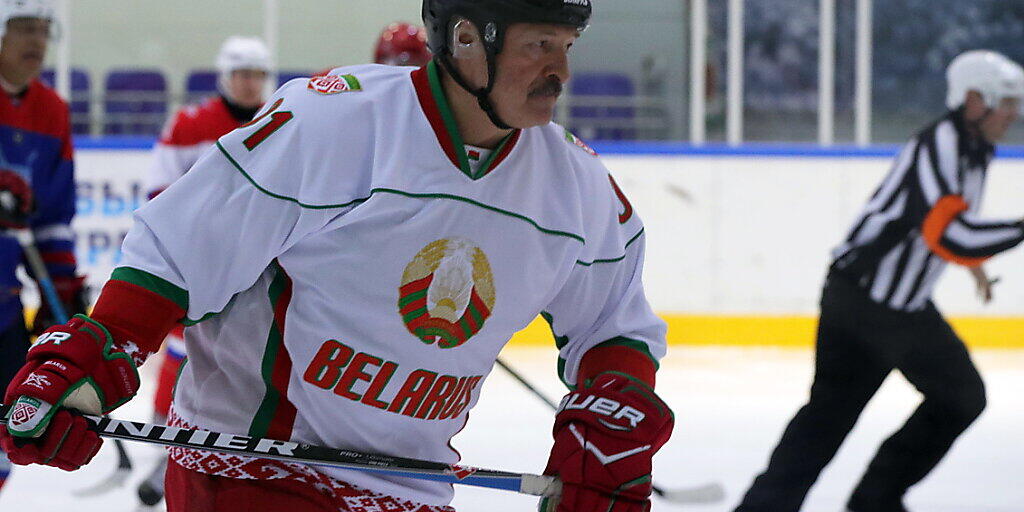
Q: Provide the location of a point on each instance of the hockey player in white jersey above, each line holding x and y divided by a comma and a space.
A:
243, 65
354, 260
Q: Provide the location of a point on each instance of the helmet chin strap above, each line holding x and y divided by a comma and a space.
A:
975, 126
483, 94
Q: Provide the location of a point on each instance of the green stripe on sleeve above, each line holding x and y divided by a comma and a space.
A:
561, 375
152, 283
613, 260
560, 341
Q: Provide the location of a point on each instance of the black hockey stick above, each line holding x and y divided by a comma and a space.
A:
115, 480
49, 293
524, 483
708, 493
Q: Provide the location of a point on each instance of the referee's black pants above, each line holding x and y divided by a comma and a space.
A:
859, 343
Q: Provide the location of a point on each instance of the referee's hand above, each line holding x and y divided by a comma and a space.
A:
983, 284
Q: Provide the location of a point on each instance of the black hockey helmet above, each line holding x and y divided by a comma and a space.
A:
492, 18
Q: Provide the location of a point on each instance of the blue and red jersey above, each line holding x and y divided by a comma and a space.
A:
35, 143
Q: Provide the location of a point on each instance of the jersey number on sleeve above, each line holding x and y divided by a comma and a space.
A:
277, 120
627, 212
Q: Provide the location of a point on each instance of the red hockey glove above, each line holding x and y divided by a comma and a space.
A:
71, 291
606, 434
15, 200
74, 366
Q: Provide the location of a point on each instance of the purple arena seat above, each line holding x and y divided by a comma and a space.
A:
135, 102
286, 75
602, 108
200, 84
80, 98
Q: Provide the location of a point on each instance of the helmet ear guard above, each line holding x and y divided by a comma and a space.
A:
459, 50
463, 50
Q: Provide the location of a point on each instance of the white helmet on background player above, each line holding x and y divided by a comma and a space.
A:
12, 9
989, 73
239, 53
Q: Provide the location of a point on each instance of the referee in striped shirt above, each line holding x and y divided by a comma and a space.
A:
876, 307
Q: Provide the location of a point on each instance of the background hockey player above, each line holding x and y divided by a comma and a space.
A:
37, 183
399, 44
243, 65
402, 44
353, 274
876, 308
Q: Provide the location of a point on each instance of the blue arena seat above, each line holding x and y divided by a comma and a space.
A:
286, 75
135, 102
602, 106
81, 89
200, 84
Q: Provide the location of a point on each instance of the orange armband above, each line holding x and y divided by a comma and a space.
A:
946, 209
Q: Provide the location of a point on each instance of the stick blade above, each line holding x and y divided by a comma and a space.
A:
115, 480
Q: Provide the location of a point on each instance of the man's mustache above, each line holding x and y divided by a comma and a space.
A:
551, 87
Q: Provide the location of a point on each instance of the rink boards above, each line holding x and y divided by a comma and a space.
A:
738, 239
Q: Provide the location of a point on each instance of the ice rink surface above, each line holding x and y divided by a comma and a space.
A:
731, 405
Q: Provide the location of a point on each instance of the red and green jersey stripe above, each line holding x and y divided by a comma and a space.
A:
619, 341
153, 283
427, 82
276, 414
161, 287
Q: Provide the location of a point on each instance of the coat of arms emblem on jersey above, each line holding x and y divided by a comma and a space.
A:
447, 292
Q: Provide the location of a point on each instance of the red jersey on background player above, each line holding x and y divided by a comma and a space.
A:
402, 44
325, 227
243, 64
242, 67
37, 188
399, 44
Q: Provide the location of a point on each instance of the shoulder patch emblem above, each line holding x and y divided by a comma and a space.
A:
578, 142
334, 84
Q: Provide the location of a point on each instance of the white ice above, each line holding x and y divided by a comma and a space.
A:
731, 405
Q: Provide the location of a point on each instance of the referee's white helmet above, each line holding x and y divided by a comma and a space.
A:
12, 9
991, 74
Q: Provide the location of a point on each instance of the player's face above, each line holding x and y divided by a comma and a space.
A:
23, 48
995, 125
532, 69
246, 87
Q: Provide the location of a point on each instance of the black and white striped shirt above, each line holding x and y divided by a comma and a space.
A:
911, 226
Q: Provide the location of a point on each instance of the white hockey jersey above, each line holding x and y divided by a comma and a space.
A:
353, 279
188, 135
